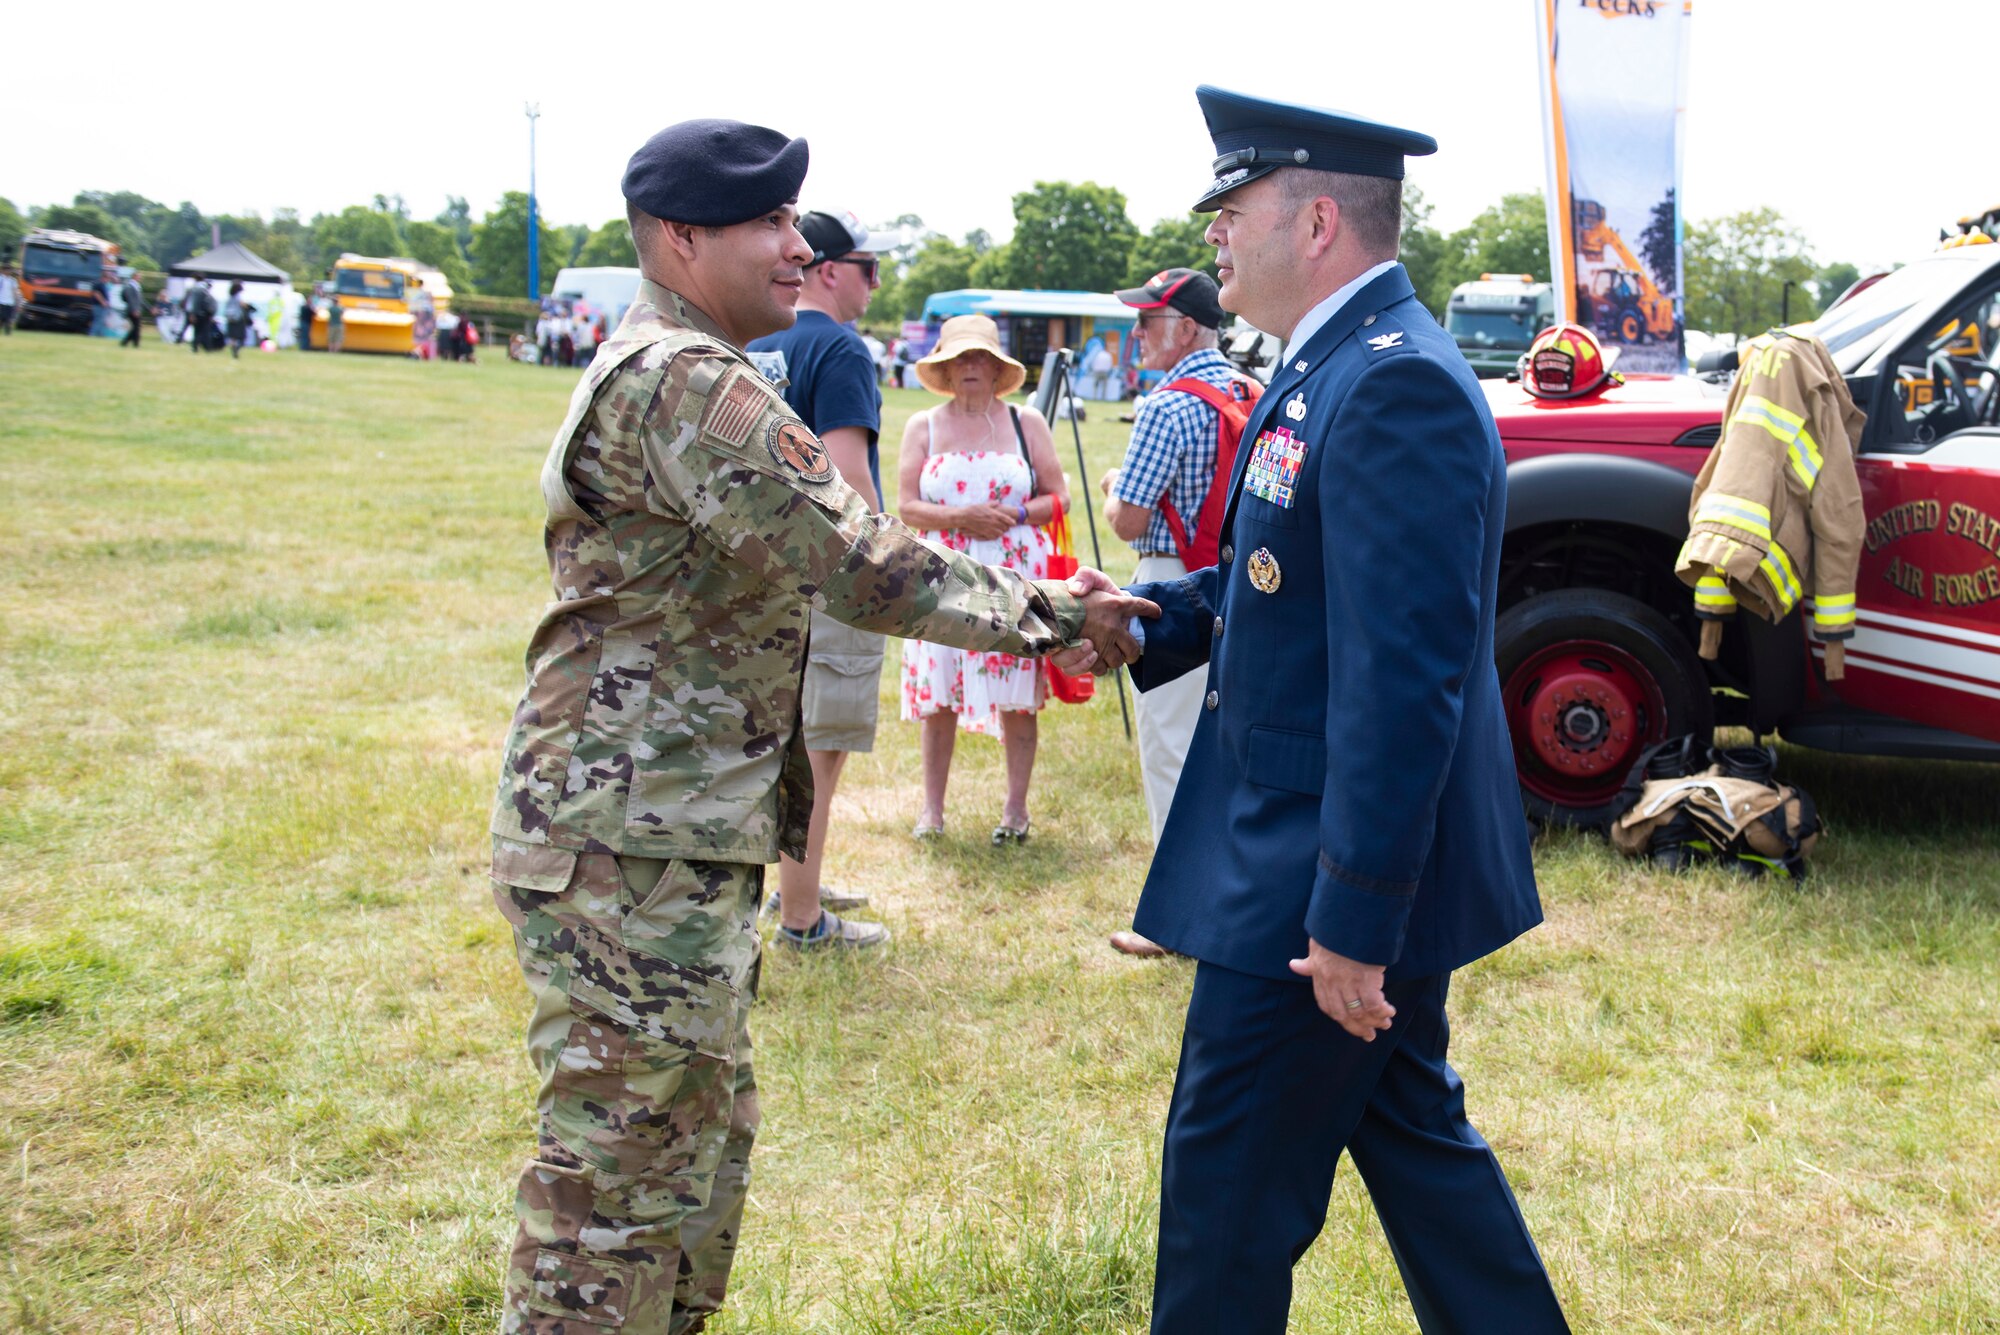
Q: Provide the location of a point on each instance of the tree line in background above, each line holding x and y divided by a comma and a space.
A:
1066, 235
487, 255
1080, 237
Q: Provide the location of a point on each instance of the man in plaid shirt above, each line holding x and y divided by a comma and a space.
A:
1171, 458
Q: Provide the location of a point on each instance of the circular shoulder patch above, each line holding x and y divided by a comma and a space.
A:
799, 450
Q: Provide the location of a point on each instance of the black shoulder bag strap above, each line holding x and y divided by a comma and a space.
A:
1021, 439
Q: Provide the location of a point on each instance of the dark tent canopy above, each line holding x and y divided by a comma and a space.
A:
234, 263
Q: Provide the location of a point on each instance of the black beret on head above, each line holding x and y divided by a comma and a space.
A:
713, 173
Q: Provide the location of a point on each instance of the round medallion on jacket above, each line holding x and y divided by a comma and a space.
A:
1262, 567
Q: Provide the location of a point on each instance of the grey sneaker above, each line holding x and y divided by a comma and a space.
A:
837, 901
833, 933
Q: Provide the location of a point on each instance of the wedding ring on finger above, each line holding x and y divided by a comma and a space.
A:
1354, 1003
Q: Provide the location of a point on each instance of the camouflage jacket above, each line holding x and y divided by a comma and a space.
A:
693, 523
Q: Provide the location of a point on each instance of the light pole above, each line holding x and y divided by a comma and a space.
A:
534, 256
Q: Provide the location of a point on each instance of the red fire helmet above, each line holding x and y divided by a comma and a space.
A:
1566, 362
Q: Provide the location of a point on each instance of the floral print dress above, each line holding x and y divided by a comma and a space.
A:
978, 685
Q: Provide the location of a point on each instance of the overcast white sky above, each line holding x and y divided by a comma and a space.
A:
946, 110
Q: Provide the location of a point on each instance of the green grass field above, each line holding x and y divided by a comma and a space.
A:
261, 626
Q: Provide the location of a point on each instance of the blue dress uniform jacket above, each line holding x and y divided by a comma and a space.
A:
1351, 777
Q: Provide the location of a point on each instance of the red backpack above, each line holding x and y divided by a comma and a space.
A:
1232, 408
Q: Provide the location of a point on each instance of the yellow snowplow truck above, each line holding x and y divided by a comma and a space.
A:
375, 303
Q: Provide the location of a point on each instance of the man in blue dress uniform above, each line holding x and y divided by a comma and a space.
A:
1347, 830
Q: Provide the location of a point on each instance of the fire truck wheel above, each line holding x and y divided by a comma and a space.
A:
1589, 680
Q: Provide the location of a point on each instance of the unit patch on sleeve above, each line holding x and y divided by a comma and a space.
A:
799, 449
1273, 471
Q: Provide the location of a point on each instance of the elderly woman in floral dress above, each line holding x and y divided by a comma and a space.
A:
980, 476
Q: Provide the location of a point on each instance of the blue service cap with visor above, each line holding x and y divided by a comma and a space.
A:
1255, 136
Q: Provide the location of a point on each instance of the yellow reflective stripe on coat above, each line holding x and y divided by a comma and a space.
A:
1712, 591
1735, 512
1805, 458
1791, 575
1801, 450
1777, 568
1833, 610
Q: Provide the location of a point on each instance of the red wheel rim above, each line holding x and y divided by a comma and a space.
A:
1580, 712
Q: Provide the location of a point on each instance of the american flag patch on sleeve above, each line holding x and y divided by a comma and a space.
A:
740, 408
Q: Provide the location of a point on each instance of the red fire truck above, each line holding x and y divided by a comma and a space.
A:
1596, 637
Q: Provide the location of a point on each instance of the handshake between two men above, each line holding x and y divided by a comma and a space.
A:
1107, 642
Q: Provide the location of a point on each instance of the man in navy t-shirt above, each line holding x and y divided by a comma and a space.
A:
828, 377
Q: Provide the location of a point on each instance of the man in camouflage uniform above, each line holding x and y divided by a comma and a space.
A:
654, 766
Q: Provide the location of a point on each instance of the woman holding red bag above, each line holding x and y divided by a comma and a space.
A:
980, 476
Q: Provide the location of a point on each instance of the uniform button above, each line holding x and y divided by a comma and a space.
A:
1218, 628
1228, 553
1369, 320
1213, 700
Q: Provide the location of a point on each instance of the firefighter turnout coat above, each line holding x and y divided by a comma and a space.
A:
1777, 516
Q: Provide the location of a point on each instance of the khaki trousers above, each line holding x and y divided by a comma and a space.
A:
1167, 715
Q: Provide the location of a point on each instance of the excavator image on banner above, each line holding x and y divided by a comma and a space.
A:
1620, 304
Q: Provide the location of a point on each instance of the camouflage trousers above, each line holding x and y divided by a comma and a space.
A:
642, 972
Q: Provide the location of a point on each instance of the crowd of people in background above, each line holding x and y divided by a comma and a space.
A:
191, 311
209, 316
458, 337
569, 338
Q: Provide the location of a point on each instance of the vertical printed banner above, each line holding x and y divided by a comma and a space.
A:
1614, 80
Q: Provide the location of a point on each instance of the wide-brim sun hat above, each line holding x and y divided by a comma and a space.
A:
968, 333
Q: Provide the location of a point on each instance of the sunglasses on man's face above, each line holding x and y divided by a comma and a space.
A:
872, 264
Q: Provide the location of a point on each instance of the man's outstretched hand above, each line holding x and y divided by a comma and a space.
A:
1349, 991
1105, 643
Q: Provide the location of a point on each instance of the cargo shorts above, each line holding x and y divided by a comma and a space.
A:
843, 686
